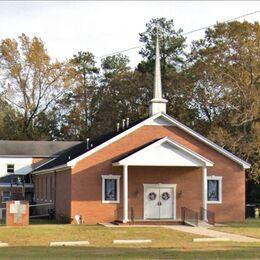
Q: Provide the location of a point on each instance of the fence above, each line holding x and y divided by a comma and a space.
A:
35, 211
189, 216
41, 210
134, 215
210, 216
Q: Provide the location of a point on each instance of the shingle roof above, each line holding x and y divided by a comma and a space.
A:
83, 147
78, 152
34, 148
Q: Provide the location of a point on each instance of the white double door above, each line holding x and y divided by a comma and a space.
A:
159, 201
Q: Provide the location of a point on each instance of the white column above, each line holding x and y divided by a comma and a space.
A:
125, 193
204, 192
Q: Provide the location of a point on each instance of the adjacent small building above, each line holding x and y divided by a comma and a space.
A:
18, 159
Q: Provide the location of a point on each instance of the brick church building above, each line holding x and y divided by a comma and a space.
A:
148, 170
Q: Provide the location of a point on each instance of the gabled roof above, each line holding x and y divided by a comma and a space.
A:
81, 148
75, 154
205, 140
163, 152
170, 121
64, 156
34, 148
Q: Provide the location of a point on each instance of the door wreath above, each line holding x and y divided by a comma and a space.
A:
152, 195
165, 195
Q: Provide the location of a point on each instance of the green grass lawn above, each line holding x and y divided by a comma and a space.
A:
124, 253
250, 227
98, 236
33, 242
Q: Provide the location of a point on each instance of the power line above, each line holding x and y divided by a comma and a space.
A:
116, 52
185, 33
229, 20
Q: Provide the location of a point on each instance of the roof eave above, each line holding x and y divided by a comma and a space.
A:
208, 142
174, 122
57, 168
246, 166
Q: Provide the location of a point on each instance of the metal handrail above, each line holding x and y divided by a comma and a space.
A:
132, 215
189, 216
210, 216
41, 204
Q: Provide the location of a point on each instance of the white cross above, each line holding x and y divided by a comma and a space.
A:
18, 210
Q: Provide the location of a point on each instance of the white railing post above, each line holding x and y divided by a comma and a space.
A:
204, 193
125, 193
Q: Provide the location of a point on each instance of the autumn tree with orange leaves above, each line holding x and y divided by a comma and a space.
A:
30, 81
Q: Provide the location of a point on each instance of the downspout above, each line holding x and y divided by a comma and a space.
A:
204, 193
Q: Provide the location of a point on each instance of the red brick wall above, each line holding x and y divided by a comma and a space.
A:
54, 188
44, 187
63, 194
24, 221
182, 176
86, 177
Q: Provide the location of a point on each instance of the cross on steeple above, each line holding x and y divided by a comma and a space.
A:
157, 104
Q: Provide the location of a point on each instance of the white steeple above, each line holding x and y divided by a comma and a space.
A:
157, 104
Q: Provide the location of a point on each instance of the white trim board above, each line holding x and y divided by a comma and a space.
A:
208, 142
165, 152
52, 170
173, 122
219, 179
113, 177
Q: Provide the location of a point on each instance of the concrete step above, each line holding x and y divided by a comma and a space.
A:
150, 222
204, 224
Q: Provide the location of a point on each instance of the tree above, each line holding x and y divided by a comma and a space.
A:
118, 63
126, 96
171, 45
78, 105
10, 122
172, 56
225, 71
122, 94
29, 80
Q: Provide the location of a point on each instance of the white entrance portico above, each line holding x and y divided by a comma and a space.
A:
167, 153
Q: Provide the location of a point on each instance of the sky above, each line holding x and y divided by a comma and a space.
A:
104, 27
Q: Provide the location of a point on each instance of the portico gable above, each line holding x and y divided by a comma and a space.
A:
163, 152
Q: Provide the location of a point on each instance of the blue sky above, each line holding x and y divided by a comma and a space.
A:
103, 27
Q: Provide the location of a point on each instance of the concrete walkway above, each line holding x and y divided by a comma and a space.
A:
203, 231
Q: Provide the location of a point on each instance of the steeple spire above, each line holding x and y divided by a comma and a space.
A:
157, 104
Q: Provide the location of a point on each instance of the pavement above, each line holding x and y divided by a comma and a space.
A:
204, 231
198, 230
